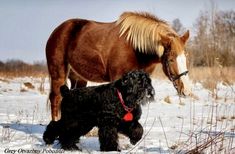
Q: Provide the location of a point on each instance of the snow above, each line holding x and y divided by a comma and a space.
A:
171, 124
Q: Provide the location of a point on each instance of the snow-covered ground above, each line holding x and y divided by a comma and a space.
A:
171, 124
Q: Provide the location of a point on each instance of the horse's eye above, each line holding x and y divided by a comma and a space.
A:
171, 60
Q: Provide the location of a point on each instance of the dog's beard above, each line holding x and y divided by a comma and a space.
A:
141, 97
138, 93
146, 98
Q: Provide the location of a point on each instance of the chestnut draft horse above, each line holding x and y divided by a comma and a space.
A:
85, 50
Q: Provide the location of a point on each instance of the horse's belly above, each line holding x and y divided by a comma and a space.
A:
89, 65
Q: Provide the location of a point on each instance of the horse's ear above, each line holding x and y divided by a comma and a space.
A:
185, 37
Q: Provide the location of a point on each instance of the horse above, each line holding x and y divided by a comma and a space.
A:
86, 50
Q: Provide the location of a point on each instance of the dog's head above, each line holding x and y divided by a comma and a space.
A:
136, 87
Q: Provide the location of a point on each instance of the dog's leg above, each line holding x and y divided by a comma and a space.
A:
108, 138
52, 132
68, 139
133, 130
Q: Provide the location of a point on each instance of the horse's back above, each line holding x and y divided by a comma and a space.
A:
63, 33
95, 50
80, 32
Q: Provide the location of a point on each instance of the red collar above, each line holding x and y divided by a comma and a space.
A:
128, 116
122, 102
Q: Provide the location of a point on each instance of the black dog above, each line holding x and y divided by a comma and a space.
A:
114, 108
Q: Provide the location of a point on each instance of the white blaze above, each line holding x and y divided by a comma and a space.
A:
182, 67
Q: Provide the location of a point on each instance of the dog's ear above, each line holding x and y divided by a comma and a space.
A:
120, 83
64, 90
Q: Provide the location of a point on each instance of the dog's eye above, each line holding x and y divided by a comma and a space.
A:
125, 81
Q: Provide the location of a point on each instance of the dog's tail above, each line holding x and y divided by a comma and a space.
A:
64, 90
52, 132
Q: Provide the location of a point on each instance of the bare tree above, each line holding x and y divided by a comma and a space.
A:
200, 43
214, 42
178, 26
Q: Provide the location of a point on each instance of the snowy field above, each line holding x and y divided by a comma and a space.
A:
171, 124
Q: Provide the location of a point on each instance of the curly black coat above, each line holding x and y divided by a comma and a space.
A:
84, 108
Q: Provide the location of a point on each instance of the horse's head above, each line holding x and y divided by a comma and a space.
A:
151, 35
174, 62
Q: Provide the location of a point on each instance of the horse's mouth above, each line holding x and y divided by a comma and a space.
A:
184, 94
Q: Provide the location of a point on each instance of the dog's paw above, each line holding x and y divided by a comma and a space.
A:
133, 142
48, 141
71, 148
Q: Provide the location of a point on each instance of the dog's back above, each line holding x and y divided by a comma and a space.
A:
81, 101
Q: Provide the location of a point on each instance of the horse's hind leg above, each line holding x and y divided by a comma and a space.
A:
58, 69
55, 98
57, 49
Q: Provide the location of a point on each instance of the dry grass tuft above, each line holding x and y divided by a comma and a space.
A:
26, 86
167, 100
42, 85
209, 76
29, 85
12, 75
212, 75
4, 80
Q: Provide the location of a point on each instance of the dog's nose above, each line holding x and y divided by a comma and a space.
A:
151, 91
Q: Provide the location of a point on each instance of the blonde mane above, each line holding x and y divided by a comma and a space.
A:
144, 31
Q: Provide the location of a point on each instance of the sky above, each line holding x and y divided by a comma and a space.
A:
25, 25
